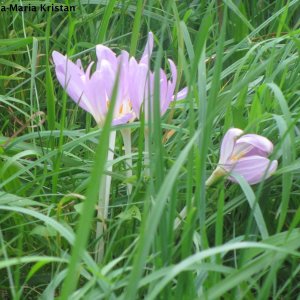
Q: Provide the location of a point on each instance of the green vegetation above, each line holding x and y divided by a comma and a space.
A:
240, 60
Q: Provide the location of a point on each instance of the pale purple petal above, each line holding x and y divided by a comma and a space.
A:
88, 71
228, 143
163, 89
260, 145
79, 64
58, 58
133, 64
171, 86
134, 88
137, 84
70, 76
241, 150
96, 93
73, 84
181, 94
148, 50
123, 119
64, 64
254, 169
108, 75
172, 83
123, 61
104, 53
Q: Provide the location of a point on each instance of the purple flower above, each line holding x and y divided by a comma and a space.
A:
93, 92
245, 155
141, 87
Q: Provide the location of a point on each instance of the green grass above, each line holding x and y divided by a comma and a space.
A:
240, 61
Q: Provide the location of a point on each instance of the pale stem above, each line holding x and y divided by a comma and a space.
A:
103, 202
215, 176
126, 134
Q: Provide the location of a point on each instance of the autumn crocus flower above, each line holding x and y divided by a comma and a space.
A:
141, 88
93, 92
246, 155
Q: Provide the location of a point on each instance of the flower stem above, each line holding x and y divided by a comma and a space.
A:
103, 201
215, 176
126, 134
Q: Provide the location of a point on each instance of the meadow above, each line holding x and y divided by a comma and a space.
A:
117, 200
